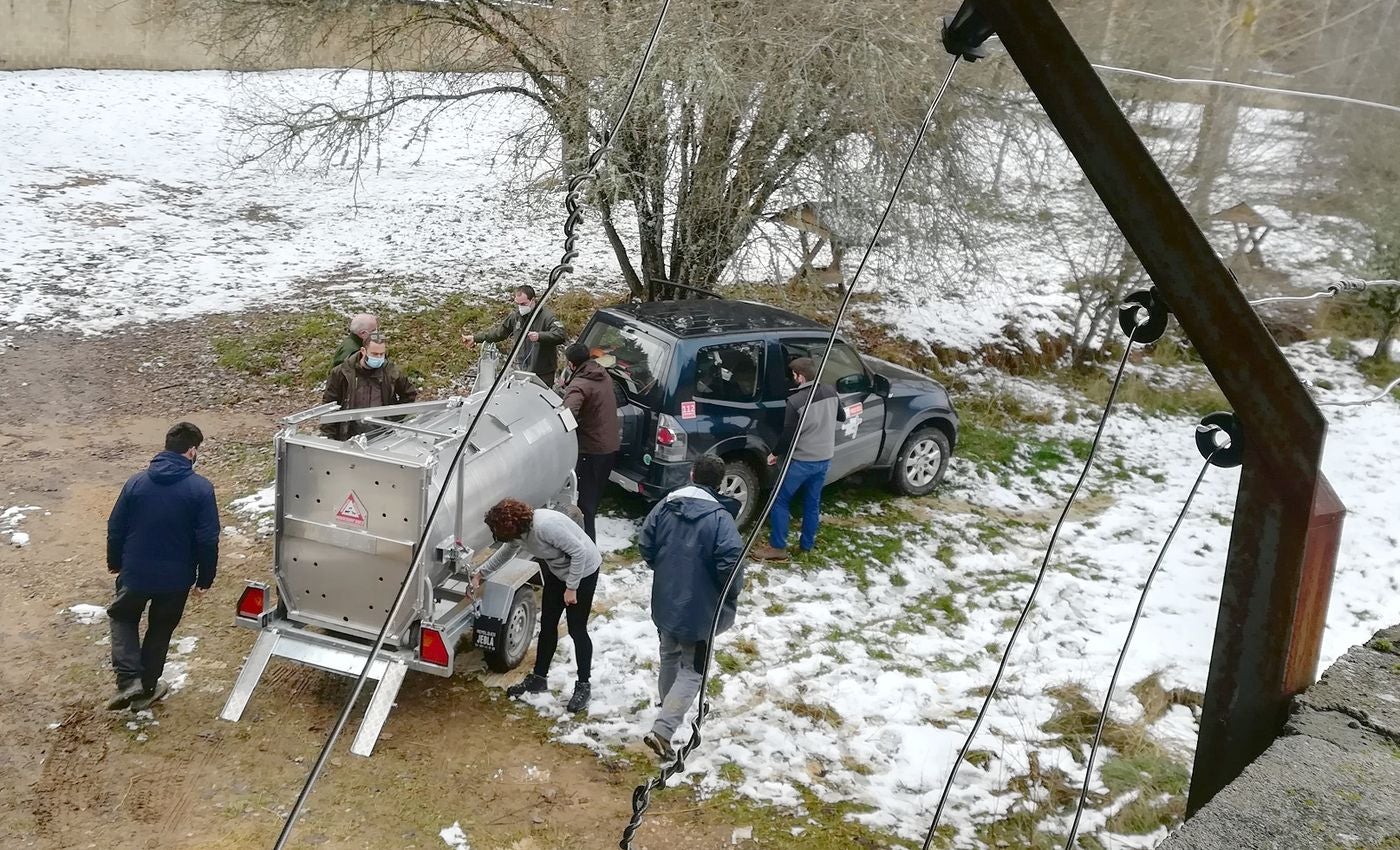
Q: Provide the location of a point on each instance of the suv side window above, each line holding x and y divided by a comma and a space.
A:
729, 372
844, 372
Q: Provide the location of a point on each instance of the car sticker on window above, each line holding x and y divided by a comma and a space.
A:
855, 409
687, 410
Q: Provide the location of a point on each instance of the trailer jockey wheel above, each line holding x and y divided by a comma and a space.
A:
510, 640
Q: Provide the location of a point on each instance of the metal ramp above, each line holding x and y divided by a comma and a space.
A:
333, 655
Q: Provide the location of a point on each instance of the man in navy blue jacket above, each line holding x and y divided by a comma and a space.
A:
692, 546
162, 538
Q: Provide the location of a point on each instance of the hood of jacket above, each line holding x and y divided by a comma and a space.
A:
590, 370
693, 503
170, 467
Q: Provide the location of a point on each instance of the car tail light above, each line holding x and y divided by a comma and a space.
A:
432, 648
670, 439
252, 602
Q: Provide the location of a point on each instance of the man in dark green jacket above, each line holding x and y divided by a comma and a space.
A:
361, 326
367, 379
540, 353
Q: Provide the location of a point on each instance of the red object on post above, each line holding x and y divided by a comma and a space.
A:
431, 647
252, 602
1314, 587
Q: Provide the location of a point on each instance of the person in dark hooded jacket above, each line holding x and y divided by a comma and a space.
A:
162, 538
692, 546
593, 400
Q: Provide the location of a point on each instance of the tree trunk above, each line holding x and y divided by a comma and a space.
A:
1382, 352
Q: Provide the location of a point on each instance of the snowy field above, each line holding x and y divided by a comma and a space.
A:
853, 682
126, 208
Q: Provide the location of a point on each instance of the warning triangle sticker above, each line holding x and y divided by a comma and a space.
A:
351, 511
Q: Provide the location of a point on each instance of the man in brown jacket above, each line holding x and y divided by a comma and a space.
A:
591, 396
365, 379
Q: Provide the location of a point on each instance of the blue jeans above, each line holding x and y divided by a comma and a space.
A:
807, 477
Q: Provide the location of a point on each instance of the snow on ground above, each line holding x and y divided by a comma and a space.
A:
126, 208
87, 614
454, 837
858, 685
259, 506
10, 518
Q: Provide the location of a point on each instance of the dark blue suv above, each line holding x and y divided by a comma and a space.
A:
710, 376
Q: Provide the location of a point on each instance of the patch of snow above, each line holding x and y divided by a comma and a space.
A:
900, 676
10, 518
87, 614
177, 668
454, 837
615, 533
259, 507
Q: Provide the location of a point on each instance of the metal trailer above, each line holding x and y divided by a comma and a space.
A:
348, 516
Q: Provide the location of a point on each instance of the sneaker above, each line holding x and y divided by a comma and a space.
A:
125, 694
660, 746
770, 553
149, 698
531, 684
579, 701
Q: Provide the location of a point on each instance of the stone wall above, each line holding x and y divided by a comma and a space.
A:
1332, 780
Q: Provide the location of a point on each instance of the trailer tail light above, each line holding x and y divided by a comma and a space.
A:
252, 603
670, 439
432, 649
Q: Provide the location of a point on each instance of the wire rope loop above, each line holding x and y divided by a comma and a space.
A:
1143, 316
1220, 439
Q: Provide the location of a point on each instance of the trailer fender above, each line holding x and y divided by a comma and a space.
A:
498, 591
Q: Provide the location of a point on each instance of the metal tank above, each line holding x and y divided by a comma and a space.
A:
348, 515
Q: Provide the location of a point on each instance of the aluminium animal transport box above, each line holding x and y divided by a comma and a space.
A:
348, 517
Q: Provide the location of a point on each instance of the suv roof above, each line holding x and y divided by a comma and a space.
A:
713, 316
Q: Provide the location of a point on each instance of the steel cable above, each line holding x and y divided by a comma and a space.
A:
641, 795
1030, 600
1127, 641
1346, 284
575, 216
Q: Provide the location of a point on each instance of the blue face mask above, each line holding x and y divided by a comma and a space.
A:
374, 362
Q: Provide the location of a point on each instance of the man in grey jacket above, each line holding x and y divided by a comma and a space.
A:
692, 547
570, 563
811, 458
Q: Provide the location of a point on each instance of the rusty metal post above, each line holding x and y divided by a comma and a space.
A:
1258, 657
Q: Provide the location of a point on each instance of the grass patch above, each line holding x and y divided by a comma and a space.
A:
820, 825
986, 445
1150, 399
295, 349
815, 712
1154, 773
1144, 816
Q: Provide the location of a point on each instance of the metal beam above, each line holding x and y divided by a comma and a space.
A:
1250, 682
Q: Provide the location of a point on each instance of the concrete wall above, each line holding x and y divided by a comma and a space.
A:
145, 34
1330, 781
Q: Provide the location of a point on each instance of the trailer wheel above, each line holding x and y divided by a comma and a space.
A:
513, 636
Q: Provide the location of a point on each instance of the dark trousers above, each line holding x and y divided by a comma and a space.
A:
132, 657
551, 607
592, 472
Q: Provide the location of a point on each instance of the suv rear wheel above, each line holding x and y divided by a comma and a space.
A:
740, 483
921, 462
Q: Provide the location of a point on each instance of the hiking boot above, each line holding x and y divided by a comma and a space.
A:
125, 694
579, 701
151, 697
660, 746
769, 553
531, 684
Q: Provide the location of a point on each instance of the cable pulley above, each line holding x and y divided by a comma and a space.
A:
1220, 439
1143, 316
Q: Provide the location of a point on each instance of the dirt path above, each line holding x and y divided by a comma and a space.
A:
80, 415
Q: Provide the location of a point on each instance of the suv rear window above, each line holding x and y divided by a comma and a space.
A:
729, 372
633, 357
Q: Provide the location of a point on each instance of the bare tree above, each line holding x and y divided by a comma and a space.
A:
749, 107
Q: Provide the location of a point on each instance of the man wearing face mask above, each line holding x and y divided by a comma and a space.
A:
540, 352
162, 540
366, 379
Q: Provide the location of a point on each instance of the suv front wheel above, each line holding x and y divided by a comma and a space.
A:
740, 483
921, 462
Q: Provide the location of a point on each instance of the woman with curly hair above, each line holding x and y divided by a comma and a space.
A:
569, 562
